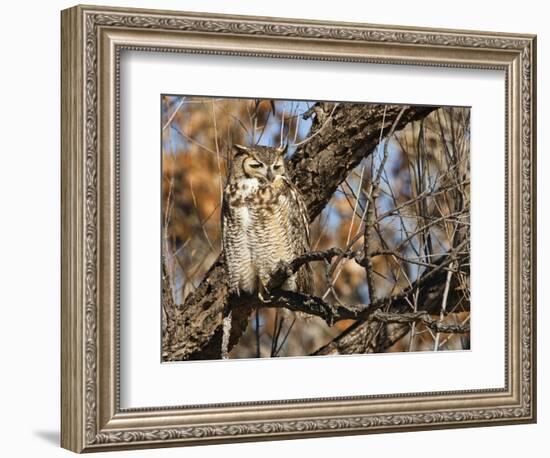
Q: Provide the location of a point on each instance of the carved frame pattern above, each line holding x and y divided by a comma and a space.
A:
81, 231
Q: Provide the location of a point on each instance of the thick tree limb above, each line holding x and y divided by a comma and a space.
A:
340, 138
313, 305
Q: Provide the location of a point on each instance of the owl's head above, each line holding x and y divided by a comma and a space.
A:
264, 163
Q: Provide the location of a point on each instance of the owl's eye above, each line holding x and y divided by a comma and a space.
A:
256, 165
277, 167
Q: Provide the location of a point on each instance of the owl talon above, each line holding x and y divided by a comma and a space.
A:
262, 298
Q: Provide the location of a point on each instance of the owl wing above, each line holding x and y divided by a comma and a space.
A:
300, 239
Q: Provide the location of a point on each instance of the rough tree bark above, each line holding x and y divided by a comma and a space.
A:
341, 136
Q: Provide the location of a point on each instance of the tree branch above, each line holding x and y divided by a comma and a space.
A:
285, 270
341, 136
352, 133
313, 305
424, 317
363, 336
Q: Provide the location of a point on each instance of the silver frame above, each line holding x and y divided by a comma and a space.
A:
92, 40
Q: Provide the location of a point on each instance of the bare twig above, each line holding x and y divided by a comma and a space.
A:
217, 150
371, 208
199, 216
179, 105
423, 317
443, 305
317, 132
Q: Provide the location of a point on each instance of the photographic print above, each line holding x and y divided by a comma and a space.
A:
212, 225
313, 227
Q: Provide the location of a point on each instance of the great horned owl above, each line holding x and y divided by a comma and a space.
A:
264, 221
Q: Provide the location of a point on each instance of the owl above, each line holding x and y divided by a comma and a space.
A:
264, 221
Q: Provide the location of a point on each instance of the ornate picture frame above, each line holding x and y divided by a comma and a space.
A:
93, 39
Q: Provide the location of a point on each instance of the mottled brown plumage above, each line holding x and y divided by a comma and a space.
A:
264, 221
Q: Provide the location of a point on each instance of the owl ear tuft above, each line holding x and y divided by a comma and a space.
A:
283, 149
239, 149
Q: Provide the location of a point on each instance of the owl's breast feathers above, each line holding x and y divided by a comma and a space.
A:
262, 225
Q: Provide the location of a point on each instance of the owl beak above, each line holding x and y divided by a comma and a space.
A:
270, 175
